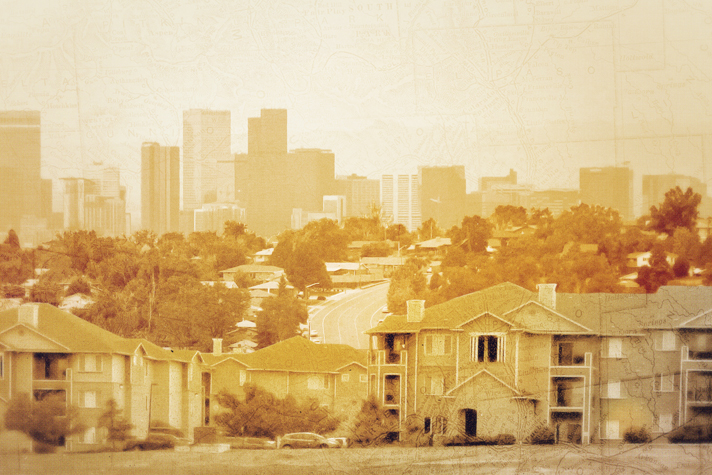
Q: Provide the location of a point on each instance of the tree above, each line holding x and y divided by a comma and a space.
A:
407, 283
78, 286
280, 317
429, 230
657, 274
305, 267
679, 210
328, 240
372, 423
243, 280
262, 414
112, 419
376, 249
47, 420
15, 264
505, 216
473, 234
681, 268
46, 292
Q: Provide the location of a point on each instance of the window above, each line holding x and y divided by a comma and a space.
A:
345, 378
611, 430
487, 348
435, 385
243, 377
363, 378
613, 390
615, 348
663, 422
87, 398
666, 341
664, 382
90, 363
426, 425
318, 381
440, 425
438, 345
90, 436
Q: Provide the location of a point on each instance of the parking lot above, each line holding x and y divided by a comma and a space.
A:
624, 459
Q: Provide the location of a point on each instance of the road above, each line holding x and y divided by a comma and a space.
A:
344, 319
501, 460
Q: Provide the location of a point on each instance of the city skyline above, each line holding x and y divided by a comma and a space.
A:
387, 86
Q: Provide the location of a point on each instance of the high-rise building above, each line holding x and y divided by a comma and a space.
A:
212, 217
75, 192
443, 192
556, 201
655, 187
489, 182
610, 187
85, 207
400, 200
160, 188
206, 141
270, 181
360, 193
20, 181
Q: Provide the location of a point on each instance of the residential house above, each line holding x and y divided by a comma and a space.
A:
259, 273
352, 274
47, 352
334, 375
508, 360
641, 259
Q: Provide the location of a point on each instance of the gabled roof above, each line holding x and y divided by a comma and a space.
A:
298, 354
483, 372
525, 317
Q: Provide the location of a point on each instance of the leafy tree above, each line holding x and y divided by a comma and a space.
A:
398, 232
657, 274
679, 210
329, 241
47, 421
681, 268
15, 264
243, 280
372, 423
686, 243
585, 224
376, 249
429, 230
78, 286
473, 234
505, 216
234, 229
262, 414
455, 257
280, 317
305, 267
118, 427
407, 283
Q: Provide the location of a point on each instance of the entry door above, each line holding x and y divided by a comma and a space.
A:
470, 422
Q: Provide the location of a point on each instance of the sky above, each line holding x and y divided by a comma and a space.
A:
543, 87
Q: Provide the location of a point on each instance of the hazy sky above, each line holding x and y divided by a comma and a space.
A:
543, 87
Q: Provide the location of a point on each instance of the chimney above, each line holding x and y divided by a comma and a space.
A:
416, 309
547, 295
28, 314
217, 346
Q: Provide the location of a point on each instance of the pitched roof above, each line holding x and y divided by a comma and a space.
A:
301, 355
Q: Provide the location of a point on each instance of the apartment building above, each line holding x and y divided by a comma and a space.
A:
506, 360
47, 352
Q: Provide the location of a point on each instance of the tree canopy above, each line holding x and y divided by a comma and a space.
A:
679, 210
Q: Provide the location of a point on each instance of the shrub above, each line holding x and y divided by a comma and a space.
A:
46, 292
543, 435
681, 268
637, 435
78, 286
13, 291
506, 439
691, 433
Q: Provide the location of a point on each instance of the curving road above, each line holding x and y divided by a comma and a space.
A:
344, 319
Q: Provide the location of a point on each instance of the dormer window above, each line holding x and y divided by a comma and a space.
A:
487, 348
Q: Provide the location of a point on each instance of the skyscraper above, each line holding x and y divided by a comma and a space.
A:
206, 140
160, 193
443, 191
20, 181
400, 199
611, 187
360, 194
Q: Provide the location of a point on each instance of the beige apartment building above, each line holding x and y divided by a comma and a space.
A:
506, 360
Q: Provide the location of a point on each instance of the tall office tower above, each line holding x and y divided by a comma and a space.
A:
20, 188
206, 141
360, 193
75, 192
655, 187
212, 217
334, 207
46, 198
611, 187
160, 188
226, 180
443, 193
488, 182
270, 182
400, 198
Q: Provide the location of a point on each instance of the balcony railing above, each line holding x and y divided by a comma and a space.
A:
700, 395
387, 357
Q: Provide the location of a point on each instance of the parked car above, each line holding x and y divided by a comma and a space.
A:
307, 440
251, 443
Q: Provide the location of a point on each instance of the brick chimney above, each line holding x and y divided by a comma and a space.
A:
28, 314
416, 310
547, 295
217, 346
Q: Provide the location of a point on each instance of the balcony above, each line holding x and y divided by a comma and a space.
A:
579, 365
699, 396
696, 358
391, 390
568, 394
388, 358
